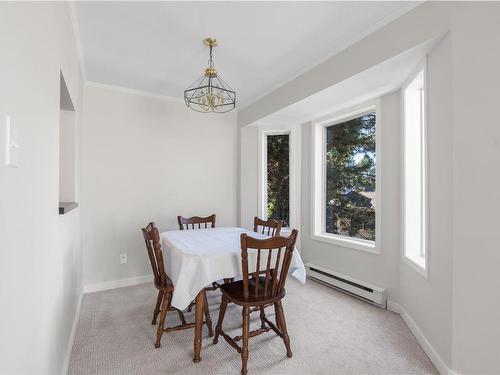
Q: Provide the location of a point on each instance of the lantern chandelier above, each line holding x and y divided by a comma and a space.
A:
210, 93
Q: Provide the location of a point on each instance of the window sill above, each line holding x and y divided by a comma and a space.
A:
417, 263
361, 245
65, 207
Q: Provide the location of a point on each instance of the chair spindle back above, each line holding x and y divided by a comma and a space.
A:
270, 227
273, 283
196, 222
152, 239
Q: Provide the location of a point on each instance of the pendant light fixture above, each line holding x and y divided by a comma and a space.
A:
210, 93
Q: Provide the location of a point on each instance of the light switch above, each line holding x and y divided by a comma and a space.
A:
11, 143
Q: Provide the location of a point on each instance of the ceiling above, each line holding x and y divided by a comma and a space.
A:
157, 46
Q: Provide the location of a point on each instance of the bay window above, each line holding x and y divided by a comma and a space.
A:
414, 173
279, 168
345, 180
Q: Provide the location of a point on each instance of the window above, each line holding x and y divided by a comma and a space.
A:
279, 174
345, 178
414, 173
350, 178
278, 178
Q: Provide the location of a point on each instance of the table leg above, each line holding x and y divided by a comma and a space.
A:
198, 321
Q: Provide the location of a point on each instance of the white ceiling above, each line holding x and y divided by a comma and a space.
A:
157, 46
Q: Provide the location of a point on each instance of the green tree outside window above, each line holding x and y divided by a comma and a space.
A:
278, 178
350, 177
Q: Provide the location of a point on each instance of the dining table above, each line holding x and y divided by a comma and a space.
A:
196, 258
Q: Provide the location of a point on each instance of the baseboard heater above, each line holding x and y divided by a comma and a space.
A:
367, 292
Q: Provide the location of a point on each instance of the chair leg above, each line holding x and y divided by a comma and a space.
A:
164, 308
158, 305
276, 316
222, 312
181, 317
244, 346
208, 319
262, 317
282, 324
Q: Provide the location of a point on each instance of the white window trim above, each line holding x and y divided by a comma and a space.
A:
294, 131
318, 166
418, 264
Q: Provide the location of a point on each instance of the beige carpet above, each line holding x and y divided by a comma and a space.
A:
331, 333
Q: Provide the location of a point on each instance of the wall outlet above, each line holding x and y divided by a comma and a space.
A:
123, 258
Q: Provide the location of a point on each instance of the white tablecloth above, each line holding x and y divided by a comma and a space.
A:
196, 258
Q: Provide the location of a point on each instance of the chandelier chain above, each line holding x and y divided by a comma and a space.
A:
210, 61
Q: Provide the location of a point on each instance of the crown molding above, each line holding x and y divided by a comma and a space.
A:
134, 91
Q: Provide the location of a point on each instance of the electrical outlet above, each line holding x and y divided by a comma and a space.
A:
123, 258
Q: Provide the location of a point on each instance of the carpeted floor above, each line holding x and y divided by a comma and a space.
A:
331, 333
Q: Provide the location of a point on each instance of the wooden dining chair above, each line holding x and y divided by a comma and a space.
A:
270, 227
196, 222
165, 286
258, 291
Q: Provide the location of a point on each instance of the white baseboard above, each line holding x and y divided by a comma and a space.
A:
438, 362
113, 284
72, 335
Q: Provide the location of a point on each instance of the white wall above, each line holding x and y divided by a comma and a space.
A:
476, 154
429, 301
456, 309
146, 158
249, 174
40, 268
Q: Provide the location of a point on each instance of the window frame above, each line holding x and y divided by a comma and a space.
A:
422, 265
318, 178
293, 131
